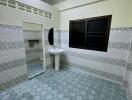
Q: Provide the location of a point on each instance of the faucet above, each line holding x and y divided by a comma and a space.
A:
54, 46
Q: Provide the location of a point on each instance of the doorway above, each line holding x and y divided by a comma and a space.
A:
34, 48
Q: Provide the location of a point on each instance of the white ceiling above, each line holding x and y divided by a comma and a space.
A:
53, 2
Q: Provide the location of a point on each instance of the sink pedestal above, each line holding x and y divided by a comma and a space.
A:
57, 64
57, 53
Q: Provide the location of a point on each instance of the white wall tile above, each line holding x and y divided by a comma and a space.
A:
96, 65
10, 55
12, 73
8, 34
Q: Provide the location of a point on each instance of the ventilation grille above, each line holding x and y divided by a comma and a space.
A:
41, 13
3, 2
12, 3
26, 8
21, 6
35, 10
50, 15
46, 14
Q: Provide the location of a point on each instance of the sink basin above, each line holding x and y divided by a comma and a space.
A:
55, 51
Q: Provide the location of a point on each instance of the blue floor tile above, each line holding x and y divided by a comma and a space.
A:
34, 69
67, 84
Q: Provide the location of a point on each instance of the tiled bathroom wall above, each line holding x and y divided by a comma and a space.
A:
13, 68
110, 65
129, 73
48, 57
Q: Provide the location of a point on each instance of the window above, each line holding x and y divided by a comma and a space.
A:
90, 33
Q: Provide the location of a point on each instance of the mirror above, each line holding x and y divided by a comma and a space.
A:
51, 36
34, 48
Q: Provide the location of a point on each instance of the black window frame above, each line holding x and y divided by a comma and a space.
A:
97, 35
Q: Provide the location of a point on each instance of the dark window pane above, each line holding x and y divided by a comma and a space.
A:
96, 43
91, 33
99, 25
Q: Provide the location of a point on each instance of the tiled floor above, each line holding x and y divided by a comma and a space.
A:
68, 84
34, 69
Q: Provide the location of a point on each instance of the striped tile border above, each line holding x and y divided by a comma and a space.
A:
13, 82
35, 55
110, 76
106, 60
34, 60
122, 29
33, 31
34, 50
12, 64
112, 29
3, 26
11, 45
119, 45
111, 45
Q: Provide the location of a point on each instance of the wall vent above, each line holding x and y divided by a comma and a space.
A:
28, 8
35, 10
3, 2
41, 13
46, 14
12, 3
23, 7
50, 15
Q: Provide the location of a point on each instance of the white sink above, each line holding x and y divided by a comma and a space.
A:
55, 51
